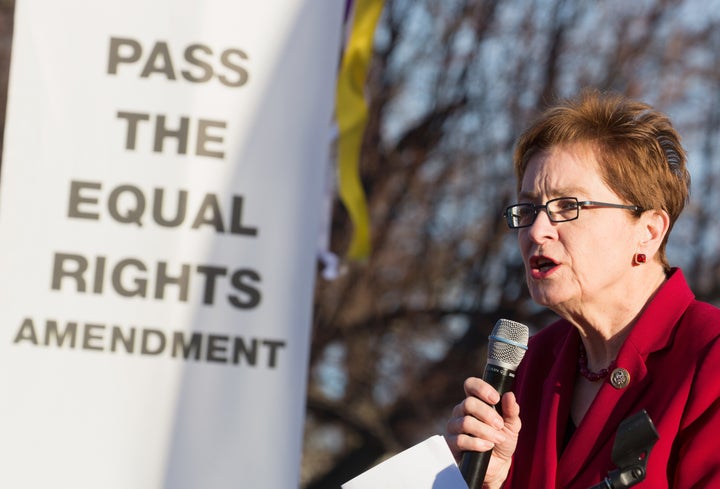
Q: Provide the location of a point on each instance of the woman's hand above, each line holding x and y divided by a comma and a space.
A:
476, 426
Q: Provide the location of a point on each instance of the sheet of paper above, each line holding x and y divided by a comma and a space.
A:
427, 465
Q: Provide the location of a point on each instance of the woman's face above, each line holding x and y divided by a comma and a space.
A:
571, 265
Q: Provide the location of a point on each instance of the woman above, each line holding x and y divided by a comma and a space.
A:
601, 181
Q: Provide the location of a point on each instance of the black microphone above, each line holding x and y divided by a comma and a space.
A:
506, 347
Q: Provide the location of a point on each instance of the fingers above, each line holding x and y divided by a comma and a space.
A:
474, 434
511, 416
475, 425
511, 413
477, 387
480, 414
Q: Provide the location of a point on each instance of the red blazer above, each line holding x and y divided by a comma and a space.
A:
673, 357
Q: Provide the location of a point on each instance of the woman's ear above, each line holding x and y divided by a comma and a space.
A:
654, 226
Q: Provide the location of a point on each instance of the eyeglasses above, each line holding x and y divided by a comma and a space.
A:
558, 210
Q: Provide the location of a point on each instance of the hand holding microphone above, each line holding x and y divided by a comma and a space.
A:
478, 415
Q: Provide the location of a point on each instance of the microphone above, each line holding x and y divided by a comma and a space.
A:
506, 347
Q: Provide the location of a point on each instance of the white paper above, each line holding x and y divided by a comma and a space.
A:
427, 465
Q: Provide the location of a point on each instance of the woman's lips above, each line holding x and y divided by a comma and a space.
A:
541, 266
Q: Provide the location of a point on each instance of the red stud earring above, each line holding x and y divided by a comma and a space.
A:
639, 258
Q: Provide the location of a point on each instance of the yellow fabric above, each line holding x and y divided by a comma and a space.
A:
351, 117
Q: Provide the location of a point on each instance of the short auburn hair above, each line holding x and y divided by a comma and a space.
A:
638, 150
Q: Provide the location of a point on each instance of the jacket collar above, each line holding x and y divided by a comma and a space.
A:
652, 332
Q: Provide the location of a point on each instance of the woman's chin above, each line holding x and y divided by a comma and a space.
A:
547, 297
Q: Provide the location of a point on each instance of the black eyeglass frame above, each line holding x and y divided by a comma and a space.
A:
510, 218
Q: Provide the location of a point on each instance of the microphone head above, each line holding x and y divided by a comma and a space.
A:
507, 344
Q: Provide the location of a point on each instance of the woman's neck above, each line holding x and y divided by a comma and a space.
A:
604, 328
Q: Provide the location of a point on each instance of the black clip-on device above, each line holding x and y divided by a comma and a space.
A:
635, 438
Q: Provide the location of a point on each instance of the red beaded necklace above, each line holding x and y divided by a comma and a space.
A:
583, 367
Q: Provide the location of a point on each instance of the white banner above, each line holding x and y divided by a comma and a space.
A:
160, 199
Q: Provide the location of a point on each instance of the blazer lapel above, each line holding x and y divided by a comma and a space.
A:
555, 410
596, 433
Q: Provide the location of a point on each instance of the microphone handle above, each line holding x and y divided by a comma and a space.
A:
474, 464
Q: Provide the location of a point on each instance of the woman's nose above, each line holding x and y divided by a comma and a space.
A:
542, 227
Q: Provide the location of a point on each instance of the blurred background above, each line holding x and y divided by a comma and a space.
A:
451, 85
